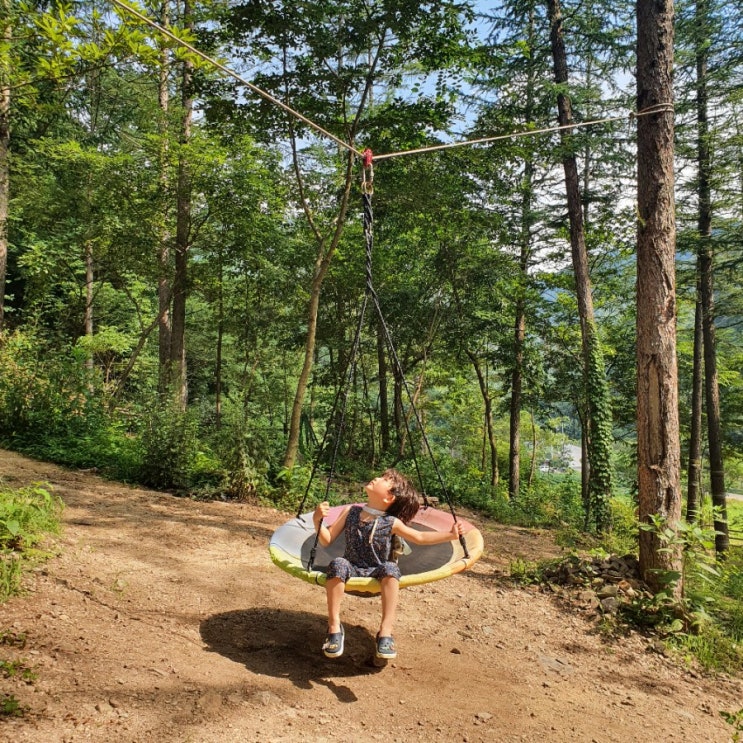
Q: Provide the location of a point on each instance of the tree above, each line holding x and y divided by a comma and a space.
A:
708, 64
164, 289
694, 474
598, 402
513, 84
6, 29
176, 376
525, 243
331, 57
706, 284
17, 70
658, 447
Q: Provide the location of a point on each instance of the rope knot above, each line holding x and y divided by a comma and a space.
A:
367, 173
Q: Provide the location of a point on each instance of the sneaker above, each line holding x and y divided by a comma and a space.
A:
386, 648
333, 646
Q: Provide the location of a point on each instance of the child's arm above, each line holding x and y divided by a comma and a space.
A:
426, 537
328, 534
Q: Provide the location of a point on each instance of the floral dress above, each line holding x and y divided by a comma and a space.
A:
368, 546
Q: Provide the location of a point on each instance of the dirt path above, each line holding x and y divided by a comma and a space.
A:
163, 620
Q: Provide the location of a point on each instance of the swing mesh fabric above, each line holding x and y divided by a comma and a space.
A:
291, 544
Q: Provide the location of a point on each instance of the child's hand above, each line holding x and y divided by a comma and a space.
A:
456, 530
320, 513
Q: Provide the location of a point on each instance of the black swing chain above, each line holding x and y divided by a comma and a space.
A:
367, 190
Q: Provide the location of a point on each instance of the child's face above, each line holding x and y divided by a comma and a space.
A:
379, 493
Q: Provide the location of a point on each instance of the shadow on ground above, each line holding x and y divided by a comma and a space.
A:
287, 644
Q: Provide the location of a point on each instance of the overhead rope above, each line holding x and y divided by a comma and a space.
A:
234, 74
658, 108
654, 109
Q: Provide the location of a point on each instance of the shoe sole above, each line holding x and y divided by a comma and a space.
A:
385, 656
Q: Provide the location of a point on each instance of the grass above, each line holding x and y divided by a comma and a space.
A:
17, 668
27, 516
736, 720
10, 706
735, 521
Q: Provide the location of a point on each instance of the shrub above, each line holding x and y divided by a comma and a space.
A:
170, 448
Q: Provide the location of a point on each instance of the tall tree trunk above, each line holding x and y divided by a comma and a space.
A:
292, 447
178, 379
514, 428
693, 496
384, 413
93, 88
220, 341
5, 72
373, 455
706, 274
163, 249
89, 278
658, 447
585, 469
488, 402
326, 249
519, 324
712, 396
398, 411
533, 462
599, 416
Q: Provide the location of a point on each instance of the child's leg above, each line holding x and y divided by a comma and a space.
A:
335, 588
339, 571
390, 593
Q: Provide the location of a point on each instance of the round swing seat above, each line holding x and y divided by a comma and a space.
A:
291, 544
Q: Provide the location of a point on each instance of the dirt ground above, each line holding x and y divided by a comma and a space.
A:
163, 619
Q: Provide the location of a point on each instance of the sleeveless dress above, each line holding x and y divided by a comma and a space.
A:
368, 546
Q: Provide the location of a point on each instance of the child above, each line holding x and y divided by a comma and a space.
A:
392, 502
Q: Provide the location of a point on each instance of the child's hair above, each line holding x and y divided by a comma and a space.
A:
407, 500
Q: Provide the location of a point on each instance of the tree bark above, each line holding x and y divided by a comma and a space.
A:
706, 277
533, 462
220, 343
5, 72
89, 279
597, 391
177, 377
398, 412
163, 248
693, 495
519, 324
384, 413
514, 436
658, 448
585, 469
488, 402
